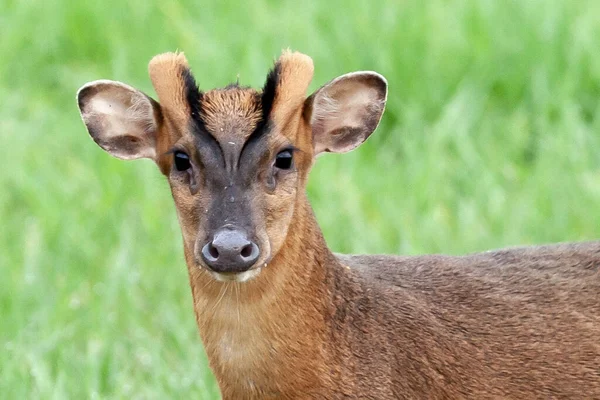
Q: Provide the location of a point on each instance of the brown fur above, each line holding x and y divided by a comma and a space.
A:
519, 323
166, 74
382, 327
234, 109
295, 74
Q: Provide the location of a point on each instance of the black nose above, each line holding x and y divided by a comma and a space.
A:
230, 251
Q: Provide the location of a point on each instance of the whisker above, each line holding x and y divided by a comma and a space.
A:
222, 294
237, 296
208, 283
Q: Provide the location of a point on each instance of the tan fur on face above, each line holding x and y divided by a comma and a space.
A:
295, 74
166, 74
233, 112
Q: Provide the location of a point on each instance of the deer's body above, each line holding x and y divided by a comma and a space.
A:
518, 323
280, 315
514, 323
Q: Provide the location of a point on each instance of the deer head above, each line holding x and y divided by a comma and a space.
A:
235, 158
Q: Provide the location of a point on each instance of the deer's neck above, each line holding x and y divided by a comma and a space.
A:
271, 329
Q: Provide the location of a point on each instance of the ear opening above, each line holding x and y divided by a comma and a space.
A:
344, 112
122, 120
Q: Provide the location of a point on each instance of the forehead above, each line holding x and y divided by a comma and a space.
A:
231, 114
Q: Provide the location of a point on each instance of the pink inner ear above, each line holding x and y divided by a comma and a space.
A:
119, 118
346, 111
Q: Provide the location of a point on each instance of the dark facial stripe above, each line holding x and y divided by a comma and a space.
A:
269, 92
194, 96
192, 93
267, 98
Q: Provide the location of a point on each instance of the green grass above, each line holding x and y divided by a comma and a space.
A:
490, 139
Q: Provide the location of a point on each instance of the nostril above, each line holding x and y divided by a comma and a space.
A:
247, 250
212, 250
249, 253
209, 253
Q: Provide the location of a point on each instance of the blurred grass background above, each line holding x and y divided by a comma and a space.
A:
490, 139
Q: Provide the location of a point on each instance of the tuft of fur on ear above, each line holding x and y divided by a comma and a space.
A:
174, 84
122, 120
289, 80
344, 112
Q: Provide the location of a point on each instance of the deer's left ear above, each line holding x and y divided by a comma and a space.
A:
345, 112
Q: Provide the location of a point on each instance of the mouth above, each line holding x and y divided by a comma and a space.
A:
236, 276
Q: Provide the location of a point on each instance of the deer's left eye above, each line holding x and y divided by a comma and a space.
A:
284, 159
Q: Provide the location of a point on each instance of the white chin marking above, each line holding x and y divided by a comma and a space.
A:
241, 277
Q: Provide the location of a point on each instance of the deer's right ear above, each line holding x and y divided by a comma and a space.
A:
122, 120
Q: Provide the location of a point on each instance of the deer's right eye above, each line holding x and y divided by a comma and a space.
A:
284, 159
182, 161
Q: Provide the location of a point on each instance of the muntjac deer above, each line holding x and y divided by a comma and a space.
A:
279, 314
